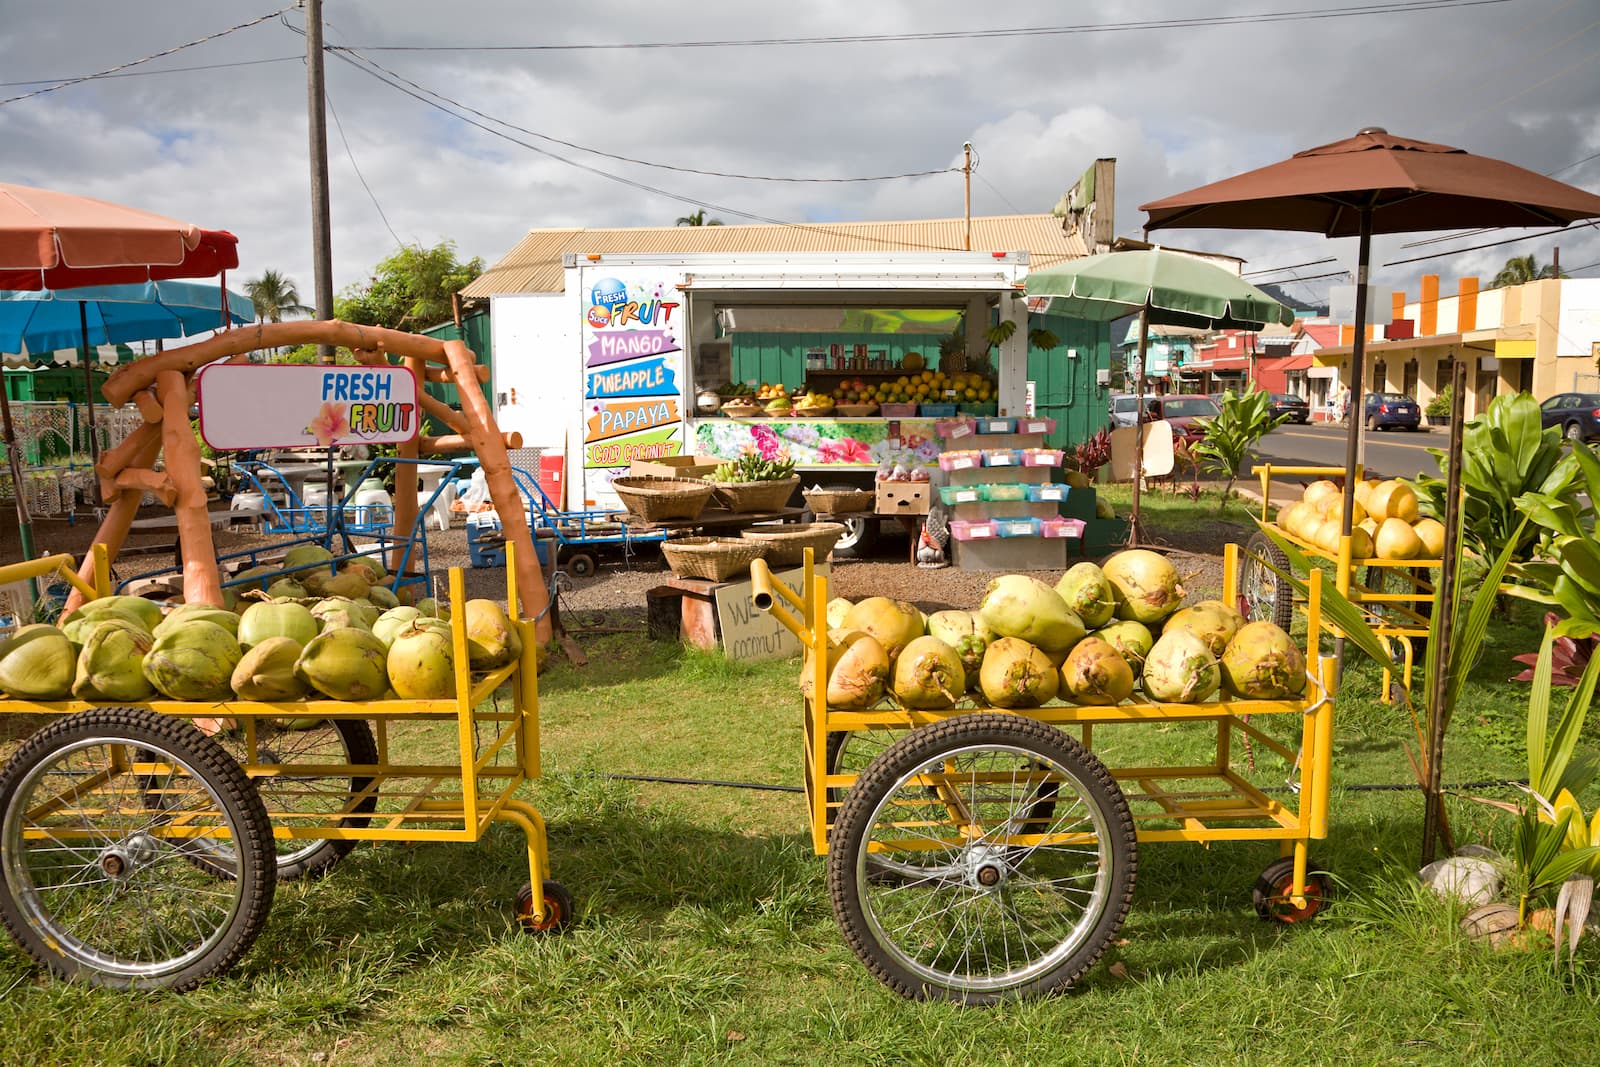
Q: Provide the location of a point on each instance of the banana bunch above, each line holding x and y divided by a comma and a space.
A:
752, 468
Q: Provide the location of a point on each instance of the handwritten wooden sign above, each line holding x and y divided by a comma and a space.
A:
751, 635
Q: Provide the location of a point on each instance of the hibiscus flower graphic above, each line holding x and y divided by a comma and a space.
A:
330, 424
844, 450
768, 445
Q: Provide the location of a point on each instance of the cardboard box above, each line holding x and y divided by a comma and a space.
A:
904, 498
673, 467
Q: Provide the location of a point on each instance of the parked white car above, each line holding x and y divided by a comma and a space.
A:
1124, 410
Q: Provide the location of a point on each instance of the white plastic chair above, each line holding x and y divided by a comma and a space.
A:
373, 503
441, 504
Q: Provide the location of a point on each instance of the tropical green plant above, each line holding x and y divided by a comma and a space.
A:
409, 290
1241, 421
274, 296
1519, 270
1565, 570
955, 343
1504, 454
1439, 406
698, 218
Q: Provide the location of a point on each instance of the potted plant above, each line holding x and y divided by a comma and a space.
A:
1438, 409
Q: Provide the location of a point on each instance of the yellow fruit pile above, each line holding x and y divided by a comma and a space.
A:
918, 387
1385, 523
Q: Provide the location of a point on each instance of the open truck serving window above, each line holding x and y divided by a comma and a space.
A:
839, 360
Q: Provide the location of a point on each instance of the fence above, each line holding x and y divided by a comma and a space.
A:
53, 447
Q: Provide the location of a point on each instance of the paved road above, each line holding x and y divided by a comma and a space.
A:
1391, 453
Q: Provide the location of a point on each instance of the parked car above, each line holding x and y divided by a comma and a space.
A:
1387, 410
1125, 410
1578, 415
1293, 406
1184, 412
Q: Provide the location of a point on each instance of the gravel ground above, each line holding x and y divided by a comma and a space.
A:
615, 595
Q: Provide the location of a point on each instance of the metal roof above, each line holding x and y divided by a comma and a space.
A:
534, 265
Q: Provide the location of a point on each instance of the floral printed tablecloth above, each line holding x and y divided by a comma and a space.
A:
823, 442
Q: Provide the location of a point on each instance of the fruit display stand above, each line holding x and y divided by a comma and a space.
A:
1005, 499
976, 854
1396, 595
142, 851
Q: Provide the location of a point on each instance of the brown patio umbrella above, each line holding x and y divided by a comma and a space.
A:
55, 240
1376, 183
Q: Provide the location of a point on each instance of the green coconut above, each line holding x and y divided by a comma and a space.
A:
491, 639
304, 556
266, 672
345, 663
194, 660
147, 613
37, 663
857, 669
254, 578
1088, 594
184, 614
1212, 623
836, 610
1262, 663
1015, 674
894, 624
382, 597
1180, 669
287, 589
261, 621
333, 612
1021, 606
351, 585
421, 663
1132, 640
1095, 673
392, 622
110, 667
929, 674
1144, 583
430, 607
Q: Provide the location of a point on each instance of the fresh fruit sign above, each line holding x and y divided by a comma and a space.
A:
286, 406
632, 361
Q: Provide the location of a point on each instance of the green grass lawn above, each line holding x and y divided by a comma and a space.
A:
705, 935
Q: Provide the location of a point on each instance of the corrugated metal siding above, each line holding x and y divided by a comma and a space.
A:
534, 264
475, 332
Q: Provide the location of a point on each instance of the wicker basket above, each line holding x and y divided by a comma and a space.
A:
741, 410
786, 545
653, 499
755, 496
716, 558
839, 501
855, 411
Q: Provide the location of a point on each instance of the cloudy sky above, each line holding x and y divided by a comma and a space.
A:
447, 121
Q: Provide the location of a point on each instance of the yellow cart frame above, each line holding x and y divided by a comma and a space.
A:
415, 802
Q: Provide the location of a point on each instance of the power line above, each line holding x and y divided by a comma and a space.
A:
1292, 266
150, 73
1313, 14
1491, 244
357, 168
134, 63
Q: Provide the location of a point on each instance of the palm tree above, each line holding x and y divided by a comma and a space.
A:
698, 219
274, 297
1522, 269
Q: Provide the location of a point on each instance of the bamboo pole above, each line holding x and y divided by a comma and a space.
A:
118, 520
142, 481
113, 461
201, 582
405, 484
496, 465
456, 443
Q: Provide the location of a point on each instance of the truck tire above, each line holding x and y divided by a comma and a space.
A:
860, 535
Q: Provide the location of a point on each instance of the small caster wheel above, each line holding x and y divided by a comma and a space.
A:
1271, 893
559, 908
581, 565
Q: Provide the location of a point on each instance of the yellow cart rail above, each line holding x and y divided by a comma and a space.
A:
203, 807
977, 853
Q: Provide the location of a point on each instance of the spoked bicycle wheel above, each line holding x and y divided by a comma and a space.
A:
301, 798
998, 895
1265, 596
95, 880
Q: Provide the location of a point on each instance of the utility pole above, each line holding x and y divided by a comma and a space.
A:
316, 113
966, 169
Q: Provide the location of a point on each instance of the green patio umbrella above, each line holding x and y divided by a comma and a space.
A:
1164, 288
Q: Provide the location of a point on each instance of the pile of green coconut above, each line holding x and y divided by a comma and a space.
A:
338, 634
1100, 633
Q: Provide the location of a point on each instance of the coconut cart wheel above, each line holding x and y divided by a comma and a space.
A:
999, 904
1270, 895
301, 800
580, 565
96, 882
560, 910
1263, 595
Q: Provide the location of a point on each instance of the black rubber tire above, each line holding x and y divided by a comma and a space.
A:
580, 565
1372, 424
560, 910
328, 741
860, 537
973, 755
1573, 432
1263, 595
1269, 894
155, 922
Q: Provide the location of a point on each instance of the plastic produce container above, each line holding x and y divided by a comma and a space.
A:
960, 494
1053, 492
1021, 527
974, 530
1005, 492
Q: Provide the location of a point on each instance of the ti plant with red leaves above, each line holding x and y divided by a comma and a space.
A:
1089, 456
1569, 656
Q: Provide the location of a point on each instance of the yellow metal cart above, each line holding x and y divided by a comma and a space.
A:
139, 851
1396, 595
976, 854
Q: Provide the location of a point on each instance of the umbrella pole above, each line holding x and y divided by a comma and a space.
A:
24, 520
1358, 351
88, 394
1135, 534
